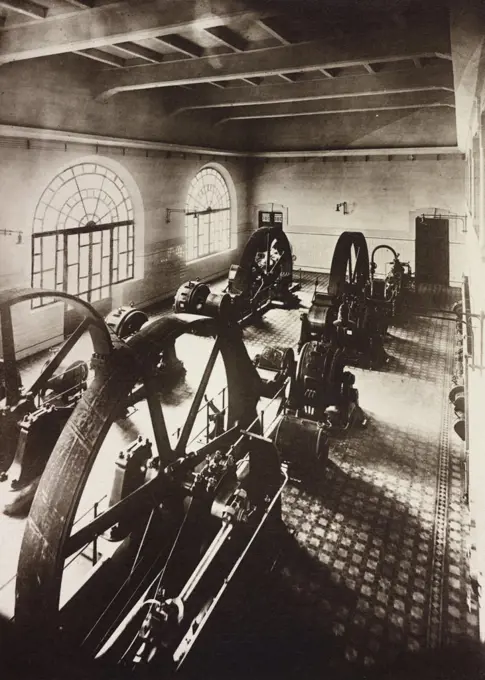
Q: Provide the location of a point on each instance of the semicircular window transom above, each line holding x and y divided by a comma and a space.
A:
207, 215
84, 233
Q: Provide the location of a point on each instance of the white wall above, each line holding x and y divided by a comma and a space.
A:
384, 197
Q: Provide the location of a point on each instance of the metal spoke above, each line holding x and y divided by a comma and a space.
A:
194, 407
147, 496
159, 425
129, 506
357, 253
56, 361
268, 250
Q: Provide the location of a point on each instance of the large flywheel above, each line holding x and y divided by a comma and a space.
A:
163, 519
267, 258
349, 271
345, 316
31, 418
264, 274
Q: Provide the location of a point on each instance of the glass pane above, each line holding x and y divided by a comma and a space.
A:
106, 238
96, 258
83, 284
72, 250
48, 252
60, 266
122, 267
48, 279
123, 244
83, 261
105, 270
72, 279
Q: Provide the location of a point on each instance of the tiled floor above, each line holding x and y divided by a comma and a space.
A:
386, 526
372, 580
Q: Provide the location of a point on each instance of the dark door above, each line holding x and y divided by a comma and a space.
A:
432, 250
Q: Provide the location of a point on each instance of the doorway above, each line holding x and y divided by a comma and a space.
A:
432, 250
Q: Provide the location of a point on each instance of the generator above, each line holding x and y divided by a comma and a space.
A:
263, 279
344, 316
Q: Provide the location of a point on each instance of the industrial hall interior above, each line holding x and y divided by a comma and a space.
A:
242, 304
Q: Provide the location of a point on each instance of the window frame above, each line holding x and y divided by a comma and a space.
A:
219, 236
83, 261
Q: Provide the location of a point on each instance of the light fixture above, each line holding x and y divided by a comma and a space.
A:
342, 206
11, 232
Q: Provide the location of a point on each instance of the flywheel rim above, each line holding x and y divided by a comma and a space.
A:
349, 242
47, 538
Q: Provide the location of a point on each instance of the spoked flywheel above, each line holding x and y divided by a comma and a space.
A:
157, 546
350, 264
266, 261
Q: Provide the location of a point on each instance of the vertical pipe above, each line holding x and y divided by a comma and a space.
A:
12, 382
95, 540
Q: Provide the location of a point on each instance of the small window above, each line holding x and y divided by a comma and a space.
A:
207, 215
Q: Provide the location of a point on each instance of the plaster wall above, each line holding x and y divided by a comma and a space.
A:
383, 197
155, 183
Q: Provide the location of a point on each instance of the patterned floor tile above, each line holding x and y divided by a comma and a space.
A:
373, 581
388, 522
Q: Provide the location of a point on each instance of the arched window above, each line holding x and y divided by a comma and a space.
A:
207, 215
83, 239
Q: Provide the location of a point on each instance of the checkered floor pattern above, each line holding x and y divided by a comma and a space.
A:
372, 579
381, 580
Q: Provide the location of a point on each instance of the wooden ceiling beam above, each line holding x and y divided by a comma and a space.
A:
103, 57
286, 77
119, 22
228, 37
181, 44
268, 25
386, 45
139, 51
437, 77
254, 82
274, 31
82, 4
348, 105
25, 7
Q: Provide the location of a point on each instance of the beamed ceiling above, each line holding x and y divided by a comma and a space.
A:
252, 62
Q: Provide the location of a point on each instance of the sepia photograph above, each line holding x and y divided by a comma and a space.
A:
242, 306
